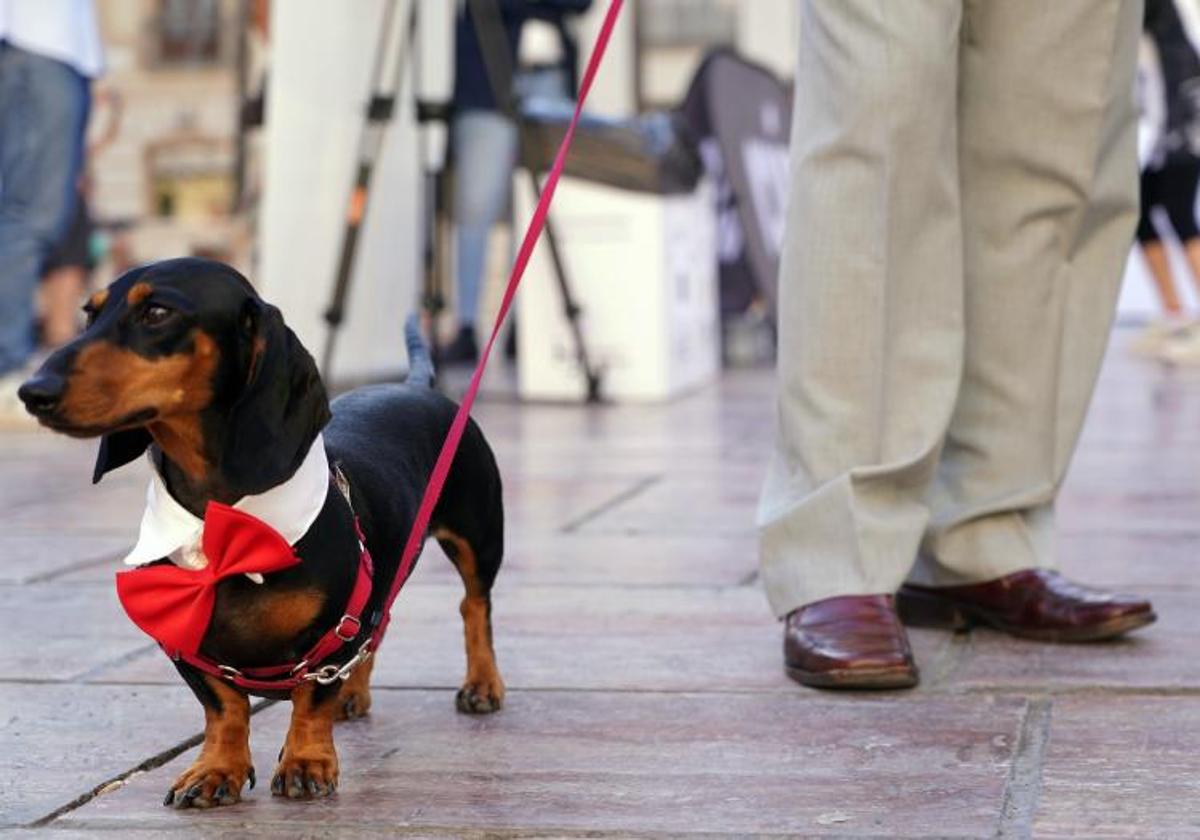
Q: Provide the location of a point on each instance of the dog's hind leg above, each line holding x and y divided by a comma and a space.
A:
355, 698
477, 562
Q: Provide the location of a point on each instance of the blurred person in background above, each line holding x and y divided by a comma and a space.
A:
68, 266
50, 50
484, 137
963, 198
1169, 85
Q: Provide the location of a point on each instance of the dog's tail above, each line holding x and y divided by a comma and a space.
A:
420, 366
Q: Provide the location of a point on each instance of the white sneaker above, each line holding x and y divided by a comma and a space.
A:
13, 416
1181, 347
1150, 340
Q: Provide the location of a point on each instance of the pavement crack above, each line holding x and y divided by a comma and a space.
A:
77, 566
136, 653
1023, 788
120, 779
610, 503
947, 661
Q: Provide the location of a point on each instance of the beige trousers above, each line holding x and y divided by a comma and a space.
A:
963, 198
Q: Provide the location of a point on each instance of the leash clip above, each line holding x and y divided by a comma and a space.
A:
328, 674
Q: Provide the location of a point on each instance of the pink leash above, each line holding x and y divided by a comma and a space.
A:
433, 491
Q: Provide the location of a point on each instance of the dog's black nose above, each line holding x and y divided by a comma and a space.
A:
42, 393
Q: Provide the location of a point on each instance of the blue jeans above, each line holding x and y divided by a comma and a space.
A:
485, 152
43, 112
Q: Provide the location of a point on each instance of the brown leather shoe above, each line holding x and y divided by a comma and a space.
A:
1036, 604
852, 641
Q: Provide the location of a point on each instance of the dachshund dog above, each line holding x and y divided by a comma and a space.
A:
184, 359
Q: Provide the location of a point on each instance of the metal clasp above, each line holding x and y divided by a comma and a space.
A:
327, 674
229, 672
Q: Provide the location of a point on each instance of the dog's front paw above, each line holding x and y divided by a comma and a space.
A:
210, 782
482, 696
311, 775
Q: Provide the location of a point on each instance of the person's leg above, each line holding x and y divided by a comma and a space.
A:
485, 149
43, 113
1179, 186
870, 298
62, 295
1049, 186
1153, 251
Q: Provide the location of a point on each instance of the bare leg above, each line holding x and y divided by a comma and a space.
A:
62, 292
1160, 269
1191, 250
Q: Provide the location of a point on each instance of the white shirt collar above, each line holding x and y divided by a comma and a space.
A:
170, 530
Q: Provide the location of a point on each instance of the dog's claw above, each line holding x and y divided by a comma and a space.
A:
277, 786
251, 778
470, 701
170, 797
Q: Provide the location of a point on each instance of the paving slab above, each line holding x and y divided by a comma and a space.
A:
575, 559
64, 632
114, 510
1141, 561
1124, 767
582, 638
1159, 657
588, 559
60, 742
28, 558
686, 505
632, 762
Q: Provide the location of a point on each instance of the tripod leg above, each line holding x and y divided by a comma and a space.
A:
571, 308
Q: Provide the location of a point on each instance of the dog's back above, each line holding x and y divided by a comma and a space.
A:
387, 438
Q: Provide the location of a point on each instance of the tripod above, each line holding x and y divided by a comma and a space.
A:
489, 26
380, 109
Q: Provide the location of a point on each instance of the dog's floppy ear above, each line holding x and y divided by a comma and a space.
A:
281, 408
119, 448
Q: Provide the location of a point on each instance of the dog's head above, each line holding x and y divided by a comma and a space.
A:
185, 353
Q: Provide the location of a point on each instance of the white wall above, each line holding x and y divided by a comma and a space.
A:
320, 73
614, 91
768, 32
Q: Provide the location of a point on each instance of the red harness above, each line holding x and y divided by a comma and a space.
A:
238, 544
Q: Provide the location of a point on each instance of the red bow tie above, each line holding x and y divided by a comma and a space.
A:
174, 605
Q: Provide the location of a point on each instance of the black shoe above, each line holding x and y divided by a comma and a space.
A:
462, 350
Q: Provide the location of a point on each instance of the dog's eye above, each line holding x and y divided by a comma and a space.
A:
155, 315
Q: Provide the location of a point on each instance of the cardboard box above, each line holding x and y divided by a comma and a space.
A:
643, 269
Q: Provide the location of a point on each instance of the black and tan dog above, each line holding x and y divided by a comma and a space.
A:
184, 357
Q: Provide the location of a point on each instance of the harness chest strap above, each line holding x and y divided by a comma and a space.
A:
287, 677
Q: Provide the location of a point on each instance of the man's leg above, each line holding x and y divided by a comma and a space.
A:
870, 308
1049, 191
870, 298
43, 112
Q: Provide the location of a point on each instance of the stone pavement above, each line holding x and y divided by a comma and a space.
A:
646, 693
